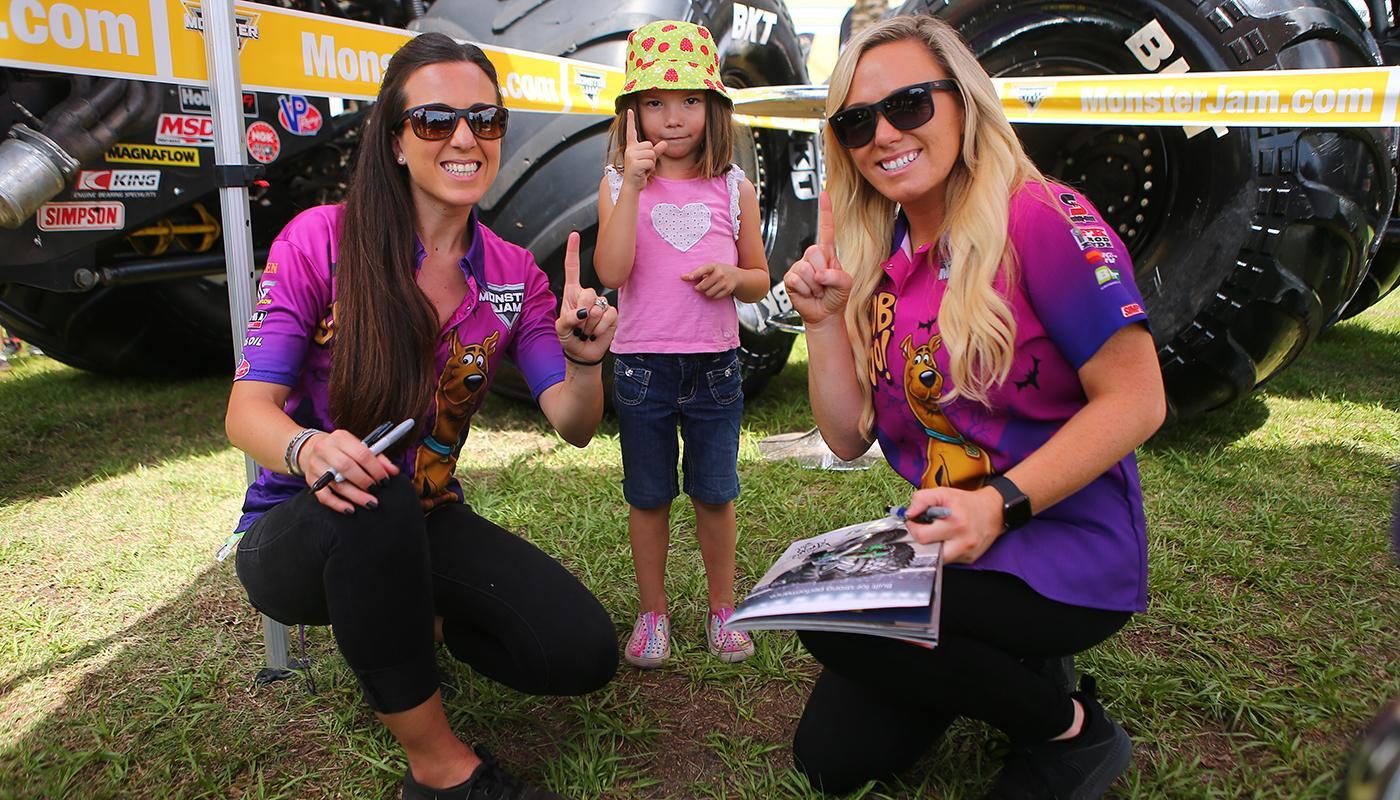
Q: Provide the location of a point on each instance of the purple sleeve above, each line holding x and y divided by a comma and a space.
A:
535, 348
292, 299
1076, 272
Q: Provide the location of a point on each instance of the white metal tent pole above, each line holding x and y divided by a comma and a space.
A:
226, 101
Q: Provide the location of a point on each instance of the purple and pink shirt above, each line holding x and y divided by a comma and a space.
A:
681, 224
508, 311
1074, 289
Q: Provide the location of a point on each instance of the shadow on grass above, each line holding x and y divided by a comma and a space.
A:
1352, 362
63, 427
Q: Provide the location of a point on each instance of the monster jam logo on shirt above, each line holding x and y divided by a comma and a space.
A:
505, 300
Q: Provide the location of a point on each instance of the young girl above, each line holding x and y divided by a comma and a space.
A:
670, 208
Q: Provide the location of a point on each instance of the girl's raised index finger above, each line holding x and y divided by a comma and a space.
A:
571, 260
631, 126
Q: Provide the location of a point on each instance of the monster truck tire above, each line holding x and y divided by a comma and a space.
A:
551, 163
1244, 245
160, 330
1382, 276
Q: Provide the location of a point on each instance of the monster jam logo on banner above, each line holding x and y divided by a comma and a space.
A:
245, 22
505, 300
591, 84
1032, 95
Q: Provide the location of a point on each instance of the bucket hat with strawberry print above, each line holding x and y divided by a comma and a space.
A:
670, 54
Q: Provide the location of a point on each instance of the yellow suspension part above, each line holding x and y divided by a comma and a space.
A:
194, 237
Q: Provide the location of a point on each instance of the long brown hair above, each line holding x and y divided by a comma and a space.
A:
385, 327
716, 152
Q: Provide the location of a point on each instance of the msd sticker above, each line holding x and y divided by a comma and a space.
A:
185, 129
263, 143
82, 217
296, 114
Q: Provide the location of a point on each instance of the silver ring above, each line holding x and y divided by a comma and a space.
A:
601, 302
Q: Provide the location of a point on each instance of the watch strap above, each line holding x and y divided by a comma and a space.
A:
1015, 506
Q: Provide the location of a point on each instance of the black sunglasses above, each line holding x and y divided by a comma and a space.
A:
437, 121
906, 109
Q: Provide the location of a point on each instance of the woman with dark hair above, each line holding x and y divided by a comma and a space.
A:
982, 323
397, 305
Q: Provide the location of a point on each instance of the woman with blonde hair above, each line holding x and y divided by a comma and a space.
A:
982, 323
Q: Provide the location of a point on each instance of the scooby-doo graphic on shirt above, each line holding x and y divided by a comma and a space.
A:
952, 459
463, 382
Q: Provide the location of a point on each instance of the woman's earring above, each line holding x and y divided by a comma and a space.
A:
401, 159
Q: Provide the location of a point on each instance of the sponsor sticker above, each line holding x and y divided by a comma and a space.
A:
1131, 309
196, 100
1092, 237
82, 217
1106, 276
252, 341
185, 129
1077, 212
505, 300
244, 22
1097, 257
243, 367
591, 84
256, 321
264, 145
271, 268
265, 293
1032, 96
122, 153
116, 183
297, 115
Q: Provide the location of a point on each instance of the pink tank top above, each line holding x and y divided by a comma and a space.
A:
681, 224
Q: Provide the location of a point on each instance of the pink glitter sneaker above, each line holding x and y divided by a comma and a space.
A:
650, 644
728, 646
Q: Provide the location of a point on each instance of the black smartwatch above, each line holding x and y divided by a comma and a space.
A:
1015, 506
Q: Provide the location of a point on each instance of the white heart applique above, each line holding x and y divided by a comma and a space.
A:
681, 227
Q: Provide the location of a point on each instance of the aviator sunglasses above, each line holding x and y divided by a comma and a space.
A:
436, 121
906, 109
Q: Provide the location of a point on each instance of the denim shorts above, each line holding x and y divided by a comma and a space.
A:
703, 393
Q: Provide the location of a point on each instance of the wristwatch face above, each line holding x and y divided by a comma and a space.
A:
1015, 506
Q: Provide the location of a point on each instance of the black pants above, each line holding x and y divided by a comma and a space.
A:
879, 703
379, 577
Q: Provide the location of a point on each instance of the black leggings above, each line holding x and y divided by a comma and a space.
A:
379, 576
879, 703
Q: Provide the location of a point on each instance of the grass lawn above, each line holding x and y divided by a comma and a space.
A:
127, 655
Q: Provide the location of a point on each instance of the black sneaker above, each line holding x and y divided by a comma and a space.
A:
1081, 768
487, 782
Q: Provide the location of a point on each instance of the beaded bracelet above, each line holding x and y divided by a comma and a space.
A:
290, 457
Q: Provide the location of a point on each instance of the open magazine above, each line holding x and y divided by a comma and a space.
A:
870, 578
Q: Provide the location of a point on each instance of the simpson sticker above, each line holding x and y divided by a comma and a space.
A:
263, 143
1131, 309
185, 129
297, 115
122, 153
505, 300
82, 217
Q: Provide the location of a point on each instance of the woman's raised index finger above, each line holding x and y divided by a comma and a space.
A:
826, 223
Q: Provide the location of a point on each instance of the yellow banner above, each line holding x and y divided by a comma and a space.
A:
1361, 97
295, 52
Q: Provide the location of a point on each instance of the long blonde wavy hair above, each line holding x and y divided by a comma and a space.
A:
975, 319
